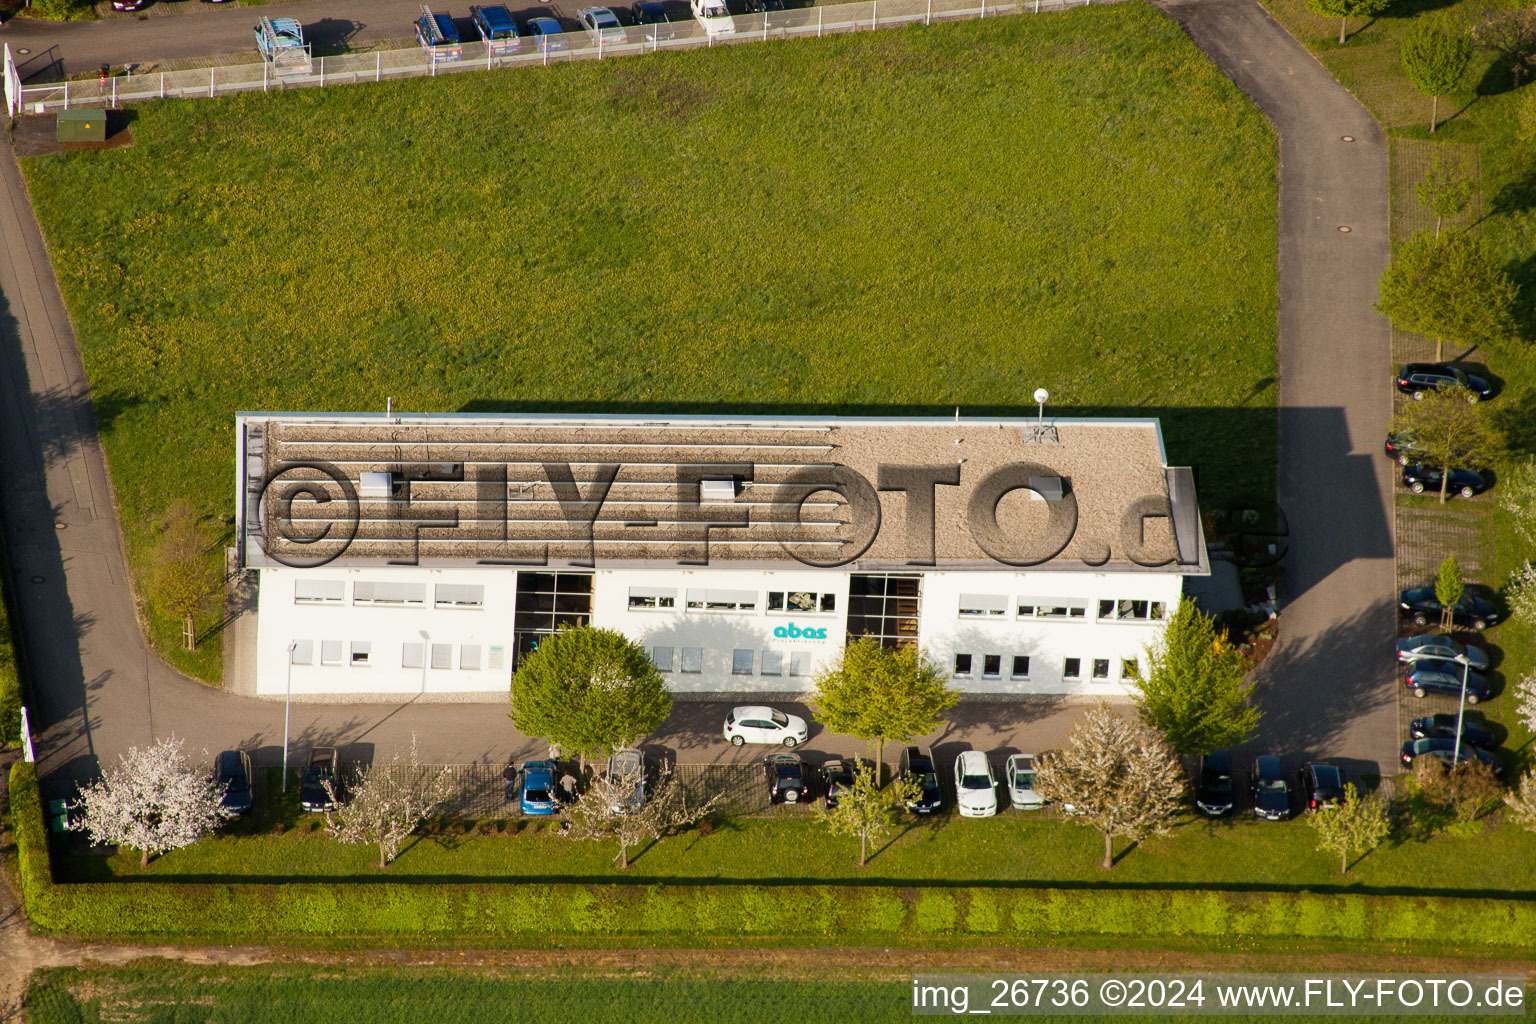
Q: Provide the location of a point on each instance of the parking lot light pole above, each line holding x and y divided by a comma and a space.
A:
1461, 709
287, 704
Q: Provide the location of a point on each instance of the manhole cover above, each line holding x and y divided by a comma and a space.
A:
1347, 138
38, 579
1345, 228
23, 51
61, 526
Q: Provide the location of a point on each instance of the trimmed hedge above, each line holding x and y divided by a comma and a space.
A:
10, 669
812, 914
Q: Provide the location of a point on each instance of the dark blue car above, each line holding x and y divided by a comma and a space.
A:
1432, 675
1271, 792
536, 788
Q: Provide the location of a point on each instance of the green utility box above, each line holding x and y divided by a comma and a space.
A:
82, 126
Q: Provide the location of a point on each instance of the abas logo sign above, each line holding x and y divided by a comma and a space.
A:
794, 632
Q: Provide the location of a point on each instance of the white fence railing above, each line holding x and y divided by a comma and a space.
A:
345, 69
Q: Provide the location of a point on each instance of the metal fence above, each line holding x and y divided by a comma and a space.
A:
346, 69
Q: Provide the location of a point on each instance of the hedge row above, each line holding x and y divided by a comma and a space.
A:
10, 669
811, 914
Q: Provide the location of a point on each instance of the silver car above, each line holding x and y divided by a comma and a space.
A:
1419, 648
1019, 773
625, 764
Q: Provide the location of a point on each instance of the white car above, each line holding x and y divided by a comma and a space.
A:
975, 786
1019, 773
756, 724
714, 16
602, 25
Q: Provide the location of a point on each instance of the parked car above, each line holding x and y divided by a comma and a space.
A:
1215, 792
65, 816
1435, 676
1443, 727
438, 36
314, 795
548, 33
1437, 645
497, 28
916, 763
1417, 378
772, 10
1322, 785
756, 724
1019, 774
652, 18
1445, 749
602, 25
1420, 604
127, 5
1271, 793
975, 786
1418, 479
536, 788
837, 779
1402, 446
787, 783
714, 16
626, 763
232, 770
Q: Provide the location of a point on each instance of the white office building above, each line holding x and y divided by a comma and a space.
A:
409, 554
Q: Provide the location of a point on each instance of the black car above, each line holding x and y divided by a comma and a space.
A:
1322, 785
772, 10
1445, 750
916, 763
786, 778
1417, 378
1421, 605
233, 772
1418, 479
1271, 793
837, 779
314, 795
1402, 446
1215, 793
1443, 727
1431, 675
652, 17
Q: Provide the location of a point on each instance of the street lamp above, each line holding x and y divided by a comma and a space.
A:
426, 652
1461, 709
288, 704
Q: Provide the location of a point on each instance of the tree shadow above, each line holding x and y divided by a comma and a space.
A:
1117, 858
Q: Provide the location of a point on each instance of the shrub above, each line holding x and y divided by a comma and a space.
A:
10, 671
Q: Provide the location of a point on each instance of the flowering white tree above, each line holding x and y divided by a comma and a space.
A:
610, 809
1517, 489
388, 802
153, 801
1525, 701
1522, 801
1522, 593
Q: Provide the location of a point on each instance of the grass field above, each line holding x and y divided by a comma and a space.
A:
900, 221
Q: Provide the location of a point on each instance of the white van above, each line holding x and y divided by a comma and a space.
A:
714, 16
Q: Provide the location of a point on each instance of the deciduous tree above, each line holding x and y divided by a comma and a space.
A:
1346, 9
387, 802
1525, 701
1435, 55
1450, 431
182, 578
1467, 789
1522, 801
1445, 191
1355, 825
609, 810
1509, 30
1118, 775
867, 812
1517, 496
1450, 288
878, 694
1448, 590
588, 691
1194, 690
154, 800
1520, 594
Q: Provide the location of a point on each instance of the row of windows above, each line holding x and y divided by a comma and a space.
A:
796, 602
985, 606
1071, 668
360, 653
370, 592
743, 662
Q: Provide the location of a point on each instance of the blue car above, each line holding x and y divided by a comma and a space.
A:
536, 788
548, 32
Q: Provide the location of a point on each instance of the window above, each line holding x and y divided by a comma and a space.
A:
884, 607
983, 605
1072, 668
1130, 610
722, 600
962, 664
330, 652
459, 595
400, 594
547, 601
1101, 668
1021, 666
1129, 669
741, 663
362, 652
652, 597
411, 655
442, 655
1052, 608
469, 657
661, 657
693, 659
991, 666
303, 652
801, 602
319, 591
773, 663
800, 663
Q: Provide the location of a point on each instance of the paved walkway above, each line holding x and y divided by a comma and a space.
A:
1328, 688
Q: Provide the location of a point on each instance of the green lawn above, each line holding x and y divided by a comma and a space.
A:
900, 221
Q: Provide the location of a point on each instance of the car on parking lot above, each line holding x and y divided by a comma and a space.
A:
1419, 479
438, 36
1402, 446
1445, 749
836, 779
1271, 793
232, 770
320, 789
714, 16
1442, 647
1421, 605
771, 10
786, 778
916, 763
626, 768
1215, 791
758, 724
497, 28
975, 785
652, 18
1443, 726
548, 33
536, 788
1417, 378
602, 25
1434, 676
1019, 776
1322, 785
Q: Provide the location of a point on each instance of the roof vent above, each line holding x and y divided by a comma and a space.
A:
378, 486
717, 488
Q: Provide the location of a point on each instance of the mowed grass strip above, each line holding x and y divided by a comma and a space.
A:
898, 221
